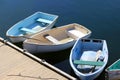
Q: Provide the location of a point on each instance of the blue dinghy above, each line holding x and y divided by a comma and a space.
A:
35, 23
88, 58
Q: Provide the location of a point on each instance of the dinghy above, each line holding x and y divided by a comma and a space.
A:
56, 39
88, 58
113, 71
35, 23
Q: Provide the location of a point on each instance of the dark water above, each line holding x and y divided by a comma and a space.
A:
102, 17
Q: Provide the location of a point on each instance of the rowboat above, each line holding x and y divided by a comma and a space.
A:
56, 39
113, 71
88, 58
35, 23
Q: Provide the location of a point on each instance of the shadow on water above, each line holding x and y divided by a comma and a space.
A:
54, 57
51, 57
20, 44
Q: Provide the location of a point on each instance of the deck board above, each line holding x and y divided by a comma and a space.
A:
14, 65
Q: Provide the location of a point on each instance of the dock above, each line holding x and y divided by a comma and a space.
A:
17, 64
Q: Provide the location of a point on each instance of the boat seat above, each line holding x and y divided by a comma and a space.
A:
52, 39
44, 20
92, 63
38, 28
69, 39
28, 30
75, 33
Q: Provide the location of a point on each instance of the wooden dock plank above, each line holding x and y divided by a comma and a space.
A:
14, 65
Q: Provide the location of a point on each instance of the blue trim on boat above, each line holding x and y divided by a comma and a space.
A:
28, 30
44, 20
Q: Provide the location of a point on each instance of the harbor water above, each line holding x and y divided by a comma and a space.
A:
102, 17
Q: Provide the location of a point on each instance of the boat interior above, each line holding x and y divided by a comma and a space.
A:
88, 55
32, 24
115, 66
59, 35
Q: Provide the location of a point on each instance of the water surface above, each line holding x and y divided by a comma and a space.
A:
102, 17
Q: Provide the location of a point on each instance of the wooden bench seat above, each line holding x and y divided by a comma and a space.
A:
44, 20
92, 63
66, 40
28, 30
75, 33
52, 39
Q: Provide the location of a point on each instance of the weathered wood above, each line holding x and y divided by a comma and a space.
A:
113, 75
18, 65
113, 71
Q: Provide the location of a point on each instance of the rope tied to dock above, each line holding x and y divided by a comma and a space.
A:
39, 77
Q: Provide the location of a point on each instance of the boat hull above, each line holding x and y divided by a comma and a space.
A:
75, 54
58, 39
55, 39
17, 39
47, 48
31, 25
36, 48
113, 75
113, 71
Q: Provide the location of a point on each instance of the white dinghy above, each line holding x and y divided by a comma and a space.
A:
56, 39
